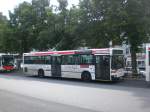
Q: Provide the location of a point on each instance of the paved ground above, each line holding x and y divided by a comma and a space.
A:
11, 102
65, 95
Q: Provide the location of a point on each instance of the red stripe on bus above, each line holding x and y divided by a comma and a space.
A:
84, 66
51, 53
67, 52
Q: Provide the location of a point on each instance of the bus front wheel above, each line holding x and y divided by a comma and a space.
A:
86, 76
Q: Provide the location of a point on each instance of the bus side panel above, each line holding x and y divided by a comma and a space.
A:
87, 68
147, 63
29, 70
32, 69
75, 71
47, 70
69, 71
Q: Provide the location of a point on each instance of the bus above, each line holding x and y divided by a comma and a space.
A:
6, 62
91, 64
147, 60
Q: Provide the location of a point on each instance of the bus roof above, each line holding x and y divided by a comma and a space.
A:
1, 54
106, 51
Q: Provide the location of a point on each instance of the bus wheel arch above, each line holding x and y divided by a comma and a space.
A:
86, 76
41, 73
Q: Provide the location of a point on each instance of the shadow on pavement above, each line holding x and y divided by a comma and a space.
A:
77, 82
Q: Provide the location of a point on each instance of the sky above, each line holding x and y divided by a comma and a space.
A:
6, 5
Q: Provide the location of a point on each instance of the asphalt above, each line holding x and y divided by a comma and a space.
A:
33, 94
11, 102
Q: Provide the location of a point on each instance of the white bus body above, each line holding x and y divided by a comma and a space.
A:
94, 64
147, 60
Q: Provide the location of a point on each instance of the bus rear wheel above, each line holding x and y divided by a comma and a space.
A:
86, 76
41, 73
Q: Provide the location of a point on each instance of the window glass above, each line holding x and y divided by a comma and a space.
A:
64, 60
37, 59
47, 59
68, 60
27, 60
77, 59
8, 60
103, 60
56, 60
86, 59
71, 60
117, 62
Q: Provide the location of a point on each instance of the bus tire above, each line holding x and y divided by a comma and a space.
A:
40, 73
86, 76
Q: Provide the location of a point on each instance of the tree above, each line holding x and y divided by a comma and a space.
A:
105, 20
136, 16
5, 35
22, 22
99, 22
42, 12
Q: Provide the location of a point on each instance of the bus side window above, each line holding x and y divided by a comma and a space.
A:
98, 59
68, 60
77, 59
64, 60
86, 59
27, 60
47, 59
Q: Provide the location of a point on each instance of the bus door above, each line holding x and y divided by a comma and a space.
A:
56, 66
102, 67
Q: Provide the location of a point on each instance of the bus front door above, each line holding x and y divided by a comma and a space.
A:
102, 69
56, 66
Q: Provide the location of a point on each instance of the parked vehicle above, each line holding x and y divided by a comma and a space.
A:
6, 62
90, 64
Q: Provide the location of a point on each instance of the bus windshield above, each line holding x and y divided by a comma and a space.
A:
117, 62
7, 60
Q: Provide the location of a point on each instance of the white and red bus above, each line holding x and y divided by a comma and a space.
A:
6, 62
90, 64
147, 60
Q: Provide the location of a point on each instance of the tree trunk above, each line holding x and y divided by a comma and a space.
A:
133, 60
